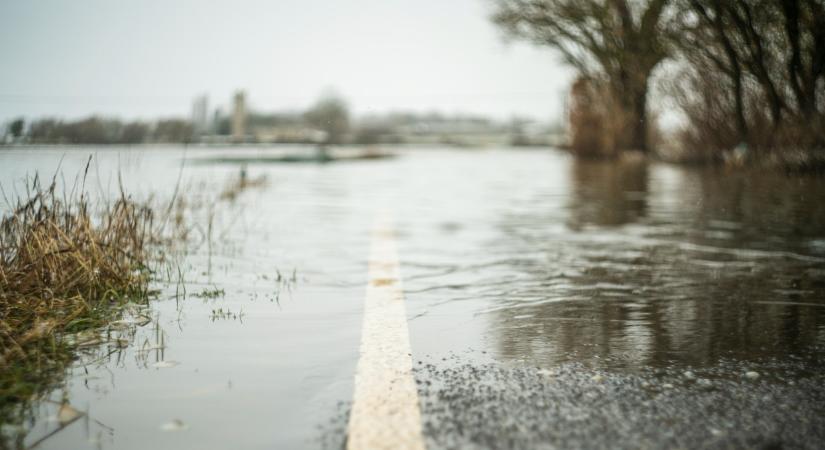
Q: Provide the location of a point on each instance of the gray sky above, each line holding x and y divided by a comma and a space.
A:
149, 58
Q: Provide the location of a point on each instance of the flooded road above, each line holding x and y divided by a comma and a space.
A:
620, 266
624, 284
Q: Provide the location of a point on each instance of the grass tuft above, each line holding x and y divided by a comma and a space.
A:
65, 266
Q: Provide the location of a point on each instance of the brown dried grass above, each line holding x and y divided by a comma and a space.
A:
64, 264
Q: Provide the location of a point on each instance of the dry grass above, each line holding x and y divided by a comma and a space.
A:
70, 267
64, 266
593, 125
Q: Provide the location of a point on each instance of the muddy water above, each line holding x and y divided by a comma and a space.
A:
506, 256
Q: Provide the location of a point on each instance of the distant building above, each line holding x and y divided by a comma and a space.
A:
200, 115
239, 117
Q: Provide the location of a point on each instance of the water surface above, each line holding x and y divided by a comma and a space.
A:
522, 257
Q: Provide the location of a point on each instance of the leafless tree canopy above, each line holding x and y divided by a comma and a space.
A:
768, 58
618, 40
760, 62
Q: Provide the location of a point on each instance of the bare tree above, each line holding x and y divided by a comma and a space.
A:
620, 40
16, 127
709, 49
772, 53
331, 115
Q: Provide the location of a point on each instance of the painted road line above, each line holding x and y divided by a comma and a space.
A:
385, 411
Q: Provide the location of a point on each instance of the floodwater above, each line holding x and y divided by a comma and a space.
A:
508, 257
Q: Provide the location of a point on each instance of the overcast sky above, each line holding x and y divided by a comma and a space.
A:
147, 58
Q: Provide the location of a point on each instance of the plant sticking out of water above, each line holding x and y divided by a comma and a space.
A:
243, 182
66, 266
282, 283
226, 314
210, 293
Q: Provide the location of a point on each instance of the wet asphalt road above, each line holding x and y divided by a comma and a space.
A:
466, 404
571, 406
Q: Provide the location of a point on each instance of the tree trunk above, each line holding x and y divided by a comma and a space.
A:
741, 121
631, 98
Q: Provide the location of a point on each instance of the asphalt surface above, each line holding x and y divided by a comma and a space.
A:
466, 405
470, 405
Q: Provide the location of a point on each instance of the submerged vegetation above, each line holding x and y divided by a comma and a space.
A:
77, 274
65, 267
242, 182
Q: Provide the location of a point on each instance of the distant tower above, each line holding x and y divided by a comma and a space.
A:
217, 120
239, 117
200, 119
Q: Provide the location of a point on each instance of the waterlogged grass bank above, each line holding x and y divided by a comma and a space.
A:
67, 267
77, 276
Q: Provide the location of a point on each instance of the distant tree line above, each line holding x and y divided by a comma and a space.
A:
328, 121
744, 73
97, 130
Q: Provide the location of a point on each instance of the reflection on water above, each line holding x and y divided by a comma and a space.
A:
689, 267
607, 194
135, 339
524, 255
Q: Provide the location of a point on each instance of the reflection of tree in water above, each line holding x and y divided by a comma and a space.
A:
767, 210
679, 296
607, 193
694, 318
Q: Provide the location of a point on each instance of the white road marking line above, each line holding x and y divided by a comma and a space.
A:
385, 412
